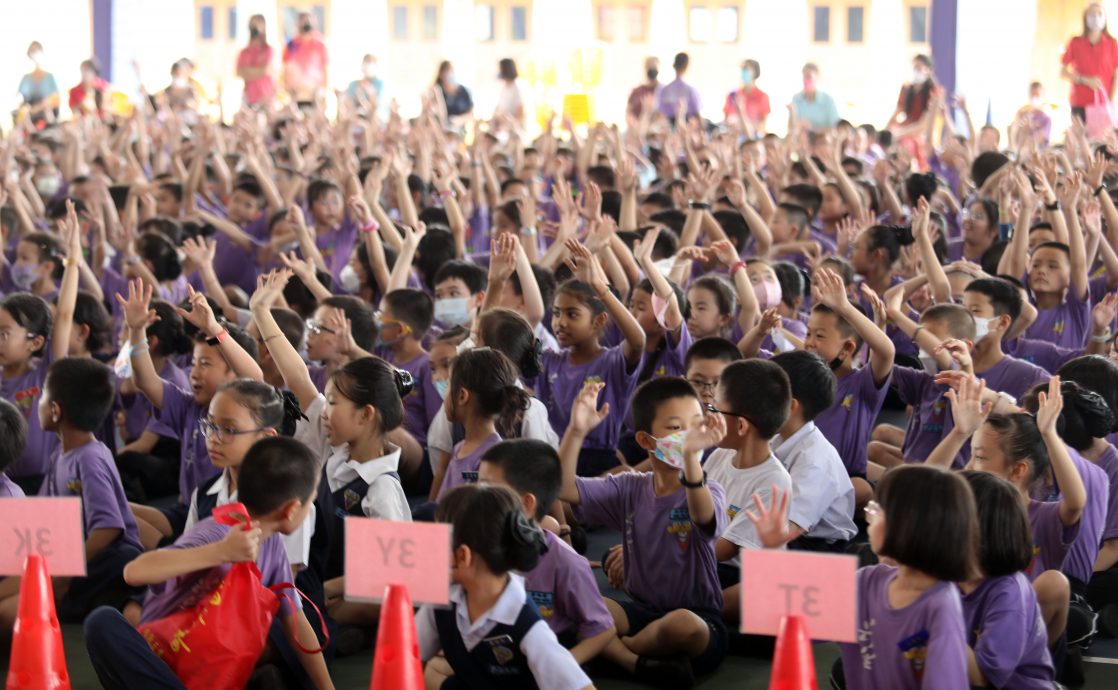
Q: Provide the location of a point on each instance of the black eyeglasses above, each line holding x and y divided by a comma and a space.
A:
704, 386
711, 408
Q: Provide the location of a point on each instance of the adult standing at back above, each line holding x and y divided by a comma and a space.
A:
304, 62
679, 94
38, 89
1090, 61
254, 64
813, 106
647, 89
748, 103
510, 99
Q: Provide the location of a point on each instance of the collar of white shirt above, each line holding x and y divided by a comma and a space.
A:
505, 611
221, 486
783, 446
370, 469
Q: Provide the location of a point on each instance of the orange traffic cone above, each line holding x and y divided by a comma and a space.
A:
793, 662
396, 664
38, 661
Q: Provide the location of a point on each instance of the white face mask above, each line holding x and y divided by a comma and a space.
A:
370, 70
982, 328
37, 57
453, 311
669, 449
180, 82
1096, 22
918, 76
350, 281
929, 363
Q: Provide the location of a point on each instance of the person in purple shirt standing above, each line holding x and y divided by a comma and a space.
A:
910, 617
77, 397
670, 519
1006, 635
836, 330
678, 97
13, 438
562, 584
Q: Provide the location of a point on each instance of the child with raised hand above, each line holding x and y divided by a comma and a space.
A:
28, 347
655, 302
711, 303
220, 355
562, 584
278, 481
836, 330
678, 612
491, 537
583, 308
76, 399
486, 399
512, 282
910, 617
13, 438
1006, 639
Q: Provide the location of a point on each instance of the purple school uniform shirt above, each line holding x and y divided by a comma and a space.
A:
669, 560
139, 415
23, 392
181, 414
1080, 561
232, 264
8, 488
921, 646
1066, 325
669, 360
89, 472
901, 342
185, 591
560, 381
1013, 376
847, 423
1051, 539
336, 245
1108, 462
462, 469
931, 418
566, 593
319, 376
423, 402
1042, 353
1007, 634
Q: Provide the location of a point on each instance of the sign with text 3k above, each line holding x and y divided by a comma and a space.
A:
820, 587
379, 553
50, 527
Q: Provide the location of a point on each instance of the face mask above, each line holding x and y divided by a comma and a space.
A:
24, 275
782, 343
37, 57
835, 363
1036, 102
451, 80
670, 449
180, 82
349, 279
981, 328
253, 32
453, 312
441, 387
918, 76
370, 71
1096, 22
652, 74
768, 293
809, 83
929, 363
307, 27
746, 76
48, 186
665, 266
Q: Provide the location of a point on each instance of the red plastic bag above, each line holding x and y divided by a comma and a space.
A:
218, 642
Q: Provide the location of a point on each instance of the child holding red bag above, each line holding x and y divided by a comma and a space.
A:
277, 485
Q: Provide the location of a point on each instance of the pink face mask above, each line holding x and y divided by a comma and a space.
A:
768, 293
809, 83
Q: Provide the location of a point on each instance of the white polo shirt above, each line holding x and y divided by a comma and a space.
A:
822, 497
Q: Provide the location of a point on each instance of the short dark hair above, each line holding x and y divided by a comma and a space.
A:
530, 467
49, 248
1058, 246
1005, 542
1096, 373
793, 282
413, 307
372, 381
545, 280
251, 187
1004, 298
603, 176
759, 390
648, 397
507, 69
723, 293
846, 330
807, 196
84, 390
488, 520
798, 216
711, 348
733, 225
360, 316
510, 333
985, 165
156, 248
960, 322
320, 187
813, 383
915, 496
471, 274
13, 434
681, 61
436, 248
90, 311
291, 325
276, 470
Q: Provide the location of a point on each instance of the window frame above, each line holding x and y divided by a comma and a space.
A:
815, 10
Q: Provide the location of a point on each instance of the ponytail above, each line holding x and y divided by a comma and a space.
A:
510, 333
270, 407
488, 519
491, 379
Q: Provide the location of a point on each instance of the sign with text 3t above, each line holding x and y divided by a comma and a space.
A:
50, 527
819, 587
379, 553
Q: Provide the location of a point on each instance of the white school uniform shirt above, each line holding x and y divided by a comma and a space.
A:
551, 664
740, 485
822, 498
535, 425
385, 499
297, 544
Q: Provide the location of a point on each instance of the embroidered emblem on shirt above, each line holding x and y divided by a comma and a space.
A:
1058, 327
502, 647
915, 648
1032, 561
732, 511
661, 371
848, 402
545, 602
351, 498
24, 398
74, 486
679, 526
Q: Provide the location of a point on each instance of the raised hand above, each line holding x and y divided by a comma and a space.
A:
200, 314
959, 352
706, 434
586, 266
771, 522
585, 413
199, 251
138, 314
591, 202
1104, 313
302, 268
967, 407
503, 262
644, 246
725, 252
770, 321
360, 209
880, 318
71, 233
343, 332
830, 291
735, 191
1051, 405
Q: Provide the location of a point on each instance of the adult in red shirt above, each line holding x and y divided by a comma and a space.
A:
254, 64
88, 97
917, 103
1090, 61
304, 62
749, 100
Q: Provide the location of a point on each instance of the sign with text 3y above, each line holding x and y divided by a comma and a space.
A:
819, 587
50, 527
379, 553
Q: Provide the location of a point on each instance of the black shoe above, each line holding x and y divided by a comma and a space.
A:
667, 672
1072, 672
578, 539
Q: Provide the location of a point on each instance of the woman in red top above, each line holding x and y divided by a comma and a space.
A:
254, 64
88, 97
1090, 61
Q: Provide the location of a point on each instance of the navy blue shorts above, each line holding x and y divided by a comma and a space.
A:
641, 615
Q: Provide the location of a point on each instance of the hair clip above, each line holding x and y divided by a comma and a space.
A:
405, 382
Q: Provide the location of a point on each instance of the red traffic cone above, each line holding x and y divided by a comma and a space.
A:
793, 662
38, 661
396, 664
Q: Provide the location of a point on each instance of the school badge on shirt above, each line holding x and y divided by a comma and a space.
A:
1058, 327
74, 486
679, 526
24, 398
848, 402
732, 511
545, 602
503, 654
915, 649
351, 498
